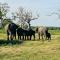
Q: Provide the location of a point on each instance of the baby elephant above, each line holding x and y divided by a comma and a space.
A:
48, 36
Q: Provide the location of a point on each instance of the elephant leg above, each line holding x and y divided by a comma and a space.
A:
39, 35
7, 37
25, 37
45, 37
20, 37
11, 37
30, 37
34, 36
42, 36
15, 36
50, 37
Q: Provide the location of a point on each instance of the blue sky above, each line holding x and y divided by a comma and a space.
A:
43, 7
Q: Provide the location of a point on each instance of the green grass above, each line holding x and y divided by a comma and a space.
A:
55, 32
31, 50
2, 30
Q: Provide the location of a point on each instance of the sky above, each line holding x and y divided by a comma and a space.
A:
44, 8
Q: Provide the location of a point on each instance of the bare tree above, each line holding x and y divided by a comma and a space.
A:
24, 15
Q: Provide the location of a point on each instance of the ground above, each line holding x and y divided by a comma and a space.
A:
31, 50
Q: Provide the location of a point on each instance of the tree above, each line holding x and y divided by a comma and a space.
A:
24, 15
4, 8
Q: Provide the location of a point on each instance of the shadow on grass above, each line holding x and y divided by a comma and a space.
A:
13, 42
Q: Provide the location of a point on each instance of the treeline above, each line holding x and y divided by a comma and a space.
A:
50, 28
53, 28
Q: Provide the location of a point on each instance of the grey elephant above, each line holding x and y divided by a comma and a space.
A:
42, 32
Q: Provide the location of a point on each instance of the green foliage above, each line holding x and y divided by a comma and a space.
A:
4, 8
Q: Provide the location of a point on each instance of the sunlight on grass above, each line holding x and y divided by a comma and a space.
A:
31, 50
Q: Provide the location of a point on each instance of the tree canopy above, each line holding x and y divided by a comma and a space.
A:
4, 8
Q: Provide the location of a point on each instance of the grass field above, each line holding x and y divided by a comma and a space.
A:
31, 50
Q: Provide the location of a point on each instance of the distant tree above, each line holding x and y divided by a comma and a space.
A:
4, 8
24, 15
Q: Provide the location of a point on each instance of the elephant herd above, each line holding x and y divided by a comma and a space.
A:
13, 30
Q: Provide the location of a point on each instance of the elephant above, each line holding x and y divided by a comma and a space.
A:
11, 31
42, 32
26, 33
48, 36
